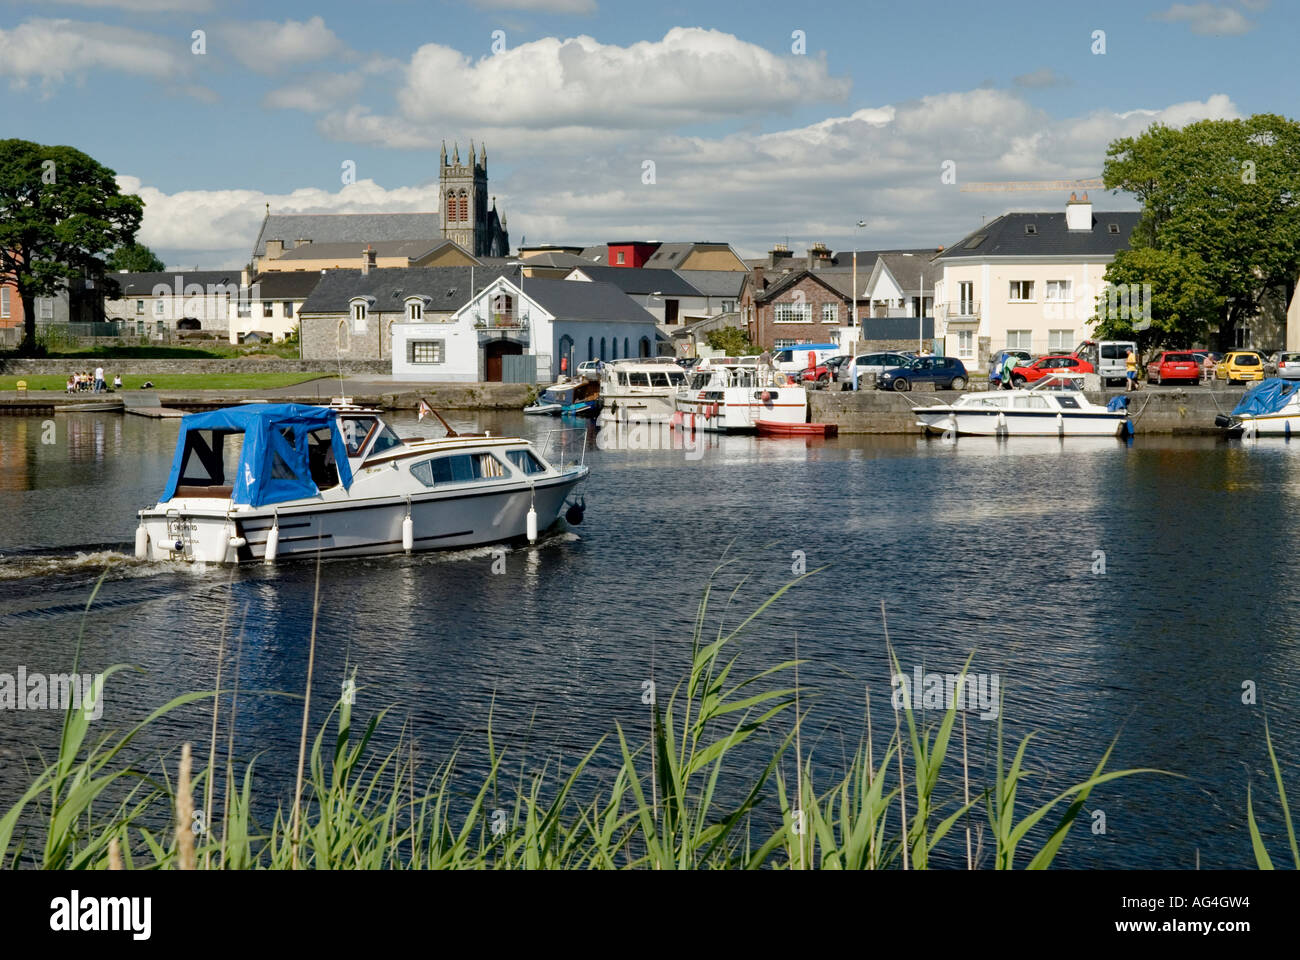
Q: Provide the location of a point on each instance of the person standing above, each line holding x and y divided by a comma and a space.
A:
99, 379
1131, 370
1008, 364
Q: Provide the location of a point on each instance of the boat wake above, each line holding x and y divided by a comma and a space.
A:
78, 562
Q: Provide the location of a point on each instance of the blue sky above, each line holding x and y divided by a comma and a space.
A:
752, 140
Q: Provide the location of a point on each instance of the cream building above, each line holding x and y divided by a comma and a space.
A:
1026, 280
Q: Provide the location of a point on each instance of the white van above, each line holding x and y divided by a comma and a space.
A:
1108, 357
793, 359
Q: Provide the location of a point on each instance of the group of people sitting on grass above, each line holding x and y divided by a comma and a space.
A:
85, 380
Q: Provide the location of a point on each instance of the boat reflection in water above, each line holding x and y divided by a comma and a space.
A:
338, 481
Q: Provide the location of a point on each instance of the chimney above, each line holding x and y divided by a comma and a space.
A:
778, 253
274, 248
1078, 213
757, 277
367, 259
302, 241
818, 256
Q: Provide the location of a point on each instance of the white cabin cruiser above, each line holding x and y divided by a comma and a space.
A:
1271, 408
733, 396
338, 481
640, 390
1054, 406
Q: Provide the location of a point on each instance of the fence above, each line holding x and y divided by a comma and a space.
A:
519, 368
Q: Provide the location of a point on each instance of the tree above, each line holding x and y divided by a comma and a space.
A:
732, 341
59, 211
1182, 299
135, 258
1221, 204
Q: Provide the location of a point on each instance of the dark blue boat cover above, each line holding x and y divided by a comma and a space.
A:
273, 463
1117, 404
1267, 396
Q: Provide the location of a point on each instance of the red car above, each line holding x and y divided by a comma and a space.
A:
1045, 365
1174, 365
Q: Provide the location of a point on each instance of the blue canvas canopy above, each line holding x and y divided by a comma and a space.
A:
274, 465
1267, 396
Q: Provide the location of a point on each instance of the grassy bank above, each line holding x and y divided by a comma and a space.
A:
661, 808
201, 350
170, 381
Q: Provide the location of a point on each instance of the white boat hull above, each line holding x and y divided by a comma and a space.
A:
637, 408
212, 531
1269, 425
1020, 423
739, 409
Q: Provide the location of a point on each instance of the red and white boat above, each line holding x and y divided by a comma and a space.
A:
733, 396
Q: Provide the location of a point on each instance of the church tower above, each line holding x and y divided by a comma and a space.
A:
463, 204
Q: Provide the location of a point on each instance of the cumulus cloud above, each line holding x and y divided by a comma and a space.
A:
318, 92
265, 46
52, 51
1209, 19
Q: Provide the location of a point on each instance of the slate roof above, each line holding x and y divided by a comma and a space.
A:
447, 287
837, 280
595, 254
906, 270
576, 300
354, 228
844, 258
1006, 236
639, 281
410, 249
715, 283
142, 284
286, 284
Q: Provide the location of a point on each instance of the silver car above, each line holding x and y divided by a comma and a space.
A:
1288, 366
875, 363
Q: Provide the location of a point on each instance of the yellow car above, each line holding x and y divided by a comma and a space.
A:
1240, 366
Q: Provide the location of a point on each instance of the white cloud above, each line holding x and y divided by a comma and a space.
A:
1040, 79
267, 47
1209, 19
54, 50
318, 92
540, 6
140, 6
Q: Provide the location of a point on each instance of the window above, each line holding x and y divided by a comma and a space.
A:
783, 344
525, 461
359, 318
1059, 291
158, 308
621, 256
286, 309
965, 344
415, 310
4, 301
1059, 341
830, 313
46, 307
460, 468
1112, 228
425, 351
1031, 230
245, 309
1019, 339
268, 308
966, 293
139, 306
1022, 291
728, 306
794, 312
356, 431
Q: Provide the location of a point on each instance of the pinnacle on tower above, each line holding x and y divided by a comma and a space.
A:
456, 157
473, 158
443, 157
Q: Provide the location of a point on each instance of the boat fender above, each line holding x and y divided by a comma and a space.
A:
272, 542
1060, 425
237, 542
408, 531
532, 524
141, 542
575, 514
1128, 427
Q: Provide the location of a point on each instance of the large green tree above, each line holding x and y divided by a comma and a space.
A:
135, 258
1220, 226
60, 210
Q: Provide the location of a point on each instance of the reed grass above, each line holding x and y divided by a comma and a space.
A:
685, 797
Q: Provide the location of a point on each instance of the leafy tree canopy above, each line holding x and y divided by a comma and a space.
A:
60, 210
135, 258
732, 341
1220, 220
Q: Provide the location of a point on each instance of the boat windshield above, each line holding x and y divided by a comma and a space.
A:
1060, 381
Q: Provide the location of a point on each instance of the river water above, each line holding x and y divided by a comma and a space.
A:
1142, 593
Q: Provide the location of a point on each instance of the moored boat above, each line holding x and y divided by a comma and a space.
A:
1054, 406
770, 428
1271, 408
732, 397
640, 390
337, 481
577, 398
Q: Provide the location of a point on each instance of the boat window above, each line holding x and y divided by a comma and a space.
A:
998, 401
713, 395
386, 440
1071, 403
772, 394
622, 378
459, 468
1032, 403
659, 378
525, 461
356, 431
639, 379
320, 459
676, 378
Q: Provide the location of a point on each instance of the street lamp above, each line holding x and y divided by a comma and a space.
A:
853, 306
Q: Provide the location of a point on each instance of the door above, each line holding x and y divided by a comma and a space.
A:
492, 354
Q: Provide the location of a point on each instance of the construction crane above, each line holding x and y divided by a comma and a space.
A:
1037, 186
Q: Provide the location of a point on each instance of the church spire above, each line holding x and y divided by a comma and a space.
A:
456, 157
482, 157
473, 157
443, 157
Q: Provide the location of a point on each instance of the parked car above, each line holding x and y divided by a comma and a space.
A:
589, 369
1045, 365
946, 373
1288, 366
818, 374
1108, 357
834, 364
1238, 366
876, 363
1174, 365
999, 359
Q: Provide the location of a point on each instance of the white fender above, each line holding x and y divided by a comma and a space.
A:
141, 542
1060, 425
532, 524
408, 533
272, 542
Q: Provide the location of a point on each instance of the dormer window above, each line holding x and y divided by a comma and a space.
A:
1112, 228
1031, 230
415, 307
361, 312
